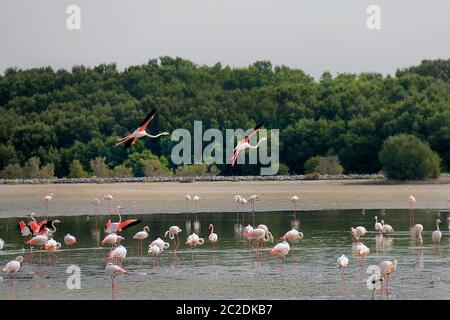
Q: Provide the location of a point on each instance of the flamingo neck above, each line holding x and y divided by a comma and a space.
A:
158, 135
257, 145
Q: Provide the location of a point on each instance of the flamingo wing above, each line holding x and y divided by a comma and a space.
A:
128, 223
147, 120
255, 129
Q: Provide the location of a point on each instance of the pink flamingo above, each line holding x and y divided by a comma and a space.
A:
386, 268
212, 236
281, 250
193, 241
69, 240
342, 263
411, 201
292, 235
113, 270
172, 233
13, 267
244, 144
141, 235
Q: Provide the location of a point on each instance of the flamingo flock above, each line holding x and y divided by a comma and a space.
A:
39, 233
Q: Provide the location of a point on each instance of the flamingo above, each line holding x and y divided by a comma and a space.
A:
112, 239
51, 246
292, 235
96, 201
118, 253
172, 232
141, 235
193, 241
411, 201
281, 250
113, 270
437, 234
244, 144
358, 232
361, 251
113, 227
342, 263
2, 243
378, 225
243, 202
69, 240
40, 241
386, 268
140, 132
49, 228
259, 234
108, 197
252, 199
160, 243
187, 198
196, 200
13, 267
386, 228
46, 201
418, 228
212, 236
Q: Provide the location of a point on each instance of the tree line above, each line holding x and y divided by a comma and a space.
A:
65, 121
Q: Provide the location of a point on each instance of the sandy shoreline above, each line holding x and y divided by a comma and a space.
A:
168, 197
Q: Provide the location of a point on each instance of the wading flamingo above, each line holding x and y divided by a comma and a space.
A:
253, 199
96, 201
51, 246
294, 200
187, 198
193, 241
212, 236
118, 253
361, 251
39, 241
49, 228
291, 236
358, 232
386, 268
418, 229
259, 234
140, 132
244, 144
378, 225
141, 235
112, 239
69, 240
160, 243
386, 228
113, 227
411, 201
342, 263
237, 199
108, 197
281, 250
113, 270
46, 200
197, 207
13, 267
172, 233
437, 234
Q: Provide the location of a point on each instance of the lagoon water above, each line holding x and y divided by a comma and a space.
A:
233, 270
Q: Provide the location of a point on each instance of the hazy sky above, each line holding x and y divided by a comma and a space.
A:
314, 35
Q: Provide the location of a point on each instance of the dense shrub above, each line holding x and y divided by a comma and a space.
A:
406, 157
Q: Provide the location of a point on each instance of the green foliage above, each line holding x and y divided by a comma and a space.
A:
121, 171
99, 168
12, 171
154, 168
406, 157
329, 165
76, 170
311, 164
64, 115
194, 170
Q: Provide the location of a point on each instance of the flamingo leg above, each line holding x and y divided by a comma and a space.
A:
112, 287
387, 288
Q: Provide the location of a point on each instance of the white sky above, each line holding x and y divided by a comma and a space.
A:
314, 35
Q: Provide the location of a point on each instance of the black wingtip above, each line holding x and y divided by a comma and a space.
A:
258, 126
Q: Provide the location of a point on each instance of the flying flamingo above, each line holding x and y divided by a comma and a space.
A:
140, 132
193, 241
69, 240
2, 243
113, 270
172, 233
386, 268
418, 228
13, 267
358, 232
411, 201
244, 144
437, 234
141, 235
46, 201
281, 250
378, 225
212, 236
342, 263
292, 235
108, 197
113, 227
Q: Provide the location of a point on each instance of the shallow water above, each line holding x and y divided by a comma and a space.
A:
233, 270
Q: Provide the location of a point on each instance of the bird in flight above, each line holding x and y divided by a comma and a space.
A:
140, 132
244, 144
